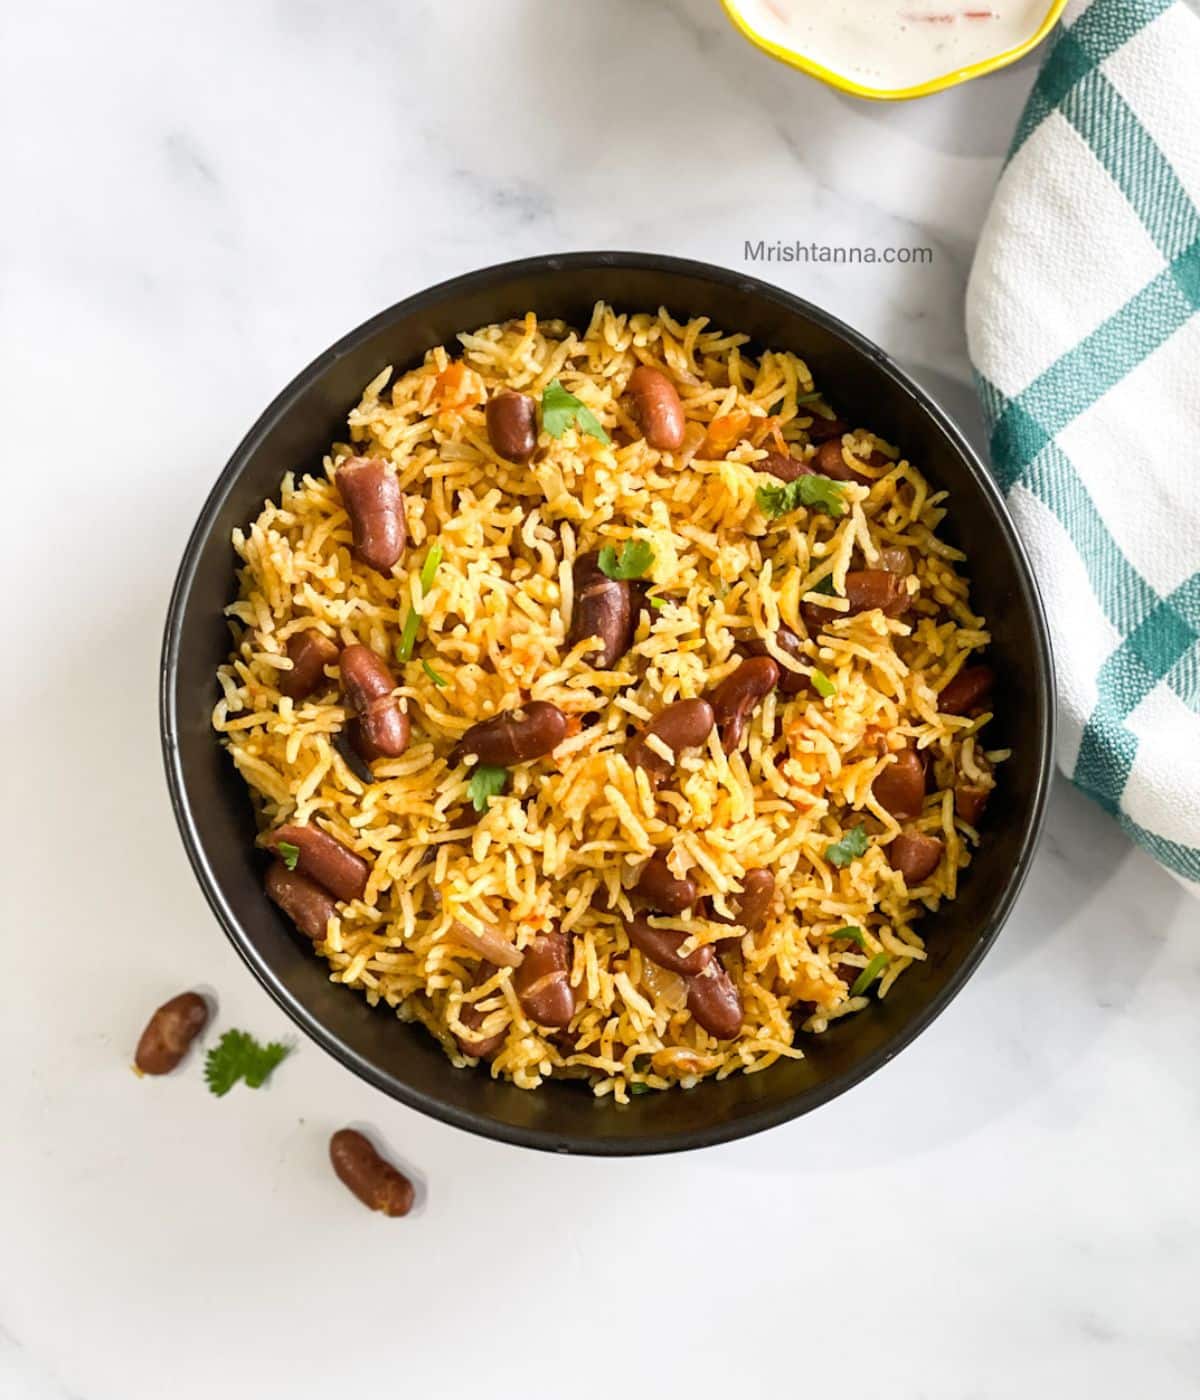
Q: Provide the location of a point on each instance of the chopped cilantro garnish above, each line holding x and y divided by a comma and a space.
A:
412, 620
237, 1055
850, 847
560, 410
439, 681
486, 782
822, 684
641, 1088
817, 492
852, 933
288, 853
869, 974
636, 557
658, 604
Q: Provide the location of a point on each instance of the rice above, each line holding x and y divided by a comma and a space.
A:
565, 842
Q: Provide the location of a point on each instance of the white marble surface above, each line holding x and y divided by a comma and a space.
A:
198, 199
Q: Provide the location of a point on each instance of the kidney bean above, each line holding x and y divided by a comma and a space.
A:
375, 506
323, 858
753, 906
661, 946
715, 1002
515, 736
309, 652
783, 465
915, 855
685, 724
383, 725
664, 891
376, 1183
304, 901
736, 697
169, 1033
823, 429
876, 588
481, 1047
603, 608
829, 461
969, 802
543, 981
512, 425
970, 688
900, 788
790, 682
657, 408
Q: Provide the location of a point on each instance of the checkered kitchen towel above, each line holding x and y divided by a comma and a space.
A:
1082, 327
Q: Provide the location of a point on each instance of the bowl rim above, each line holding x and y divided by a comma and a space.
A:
840, 82
615, 1145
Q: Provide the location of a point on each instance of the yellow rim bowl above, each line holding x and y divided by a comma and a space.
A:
842, 83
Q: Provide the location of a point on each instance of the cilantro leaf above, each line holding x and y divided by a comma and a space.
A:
658, 604
850, 847
825, 585
637, 556
560, 410
822, 684
641, 1088
869, 974
439, 681
852, 933
288, 853
237, 1055
486, 782
412, 620
817, 492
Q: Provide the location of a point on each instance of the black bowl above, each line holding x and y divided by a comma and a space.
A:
213, 808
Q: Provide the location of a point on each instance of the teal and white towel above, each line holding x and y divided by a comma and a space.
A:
1082, 328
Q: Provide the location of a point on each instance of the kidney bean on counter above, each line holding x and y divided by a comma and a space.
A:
481, 1047
823, 429
543, 981
900, 788
656, 407
304, 901
915, 855
790, 682
376, 1183
783, 465
375, 505
739, 694
514, 736
664, 891
714, 1001
661, 946
323, 858
971, 687
512, 425
309, 652
169, 1033
970, 800
685, 724
602, 608
368, 684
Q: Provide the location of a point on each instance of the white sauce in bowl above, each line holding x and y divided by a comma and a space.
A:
894, 44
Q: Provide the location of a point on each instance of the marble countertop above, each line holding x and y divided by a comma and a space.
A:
200, 198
